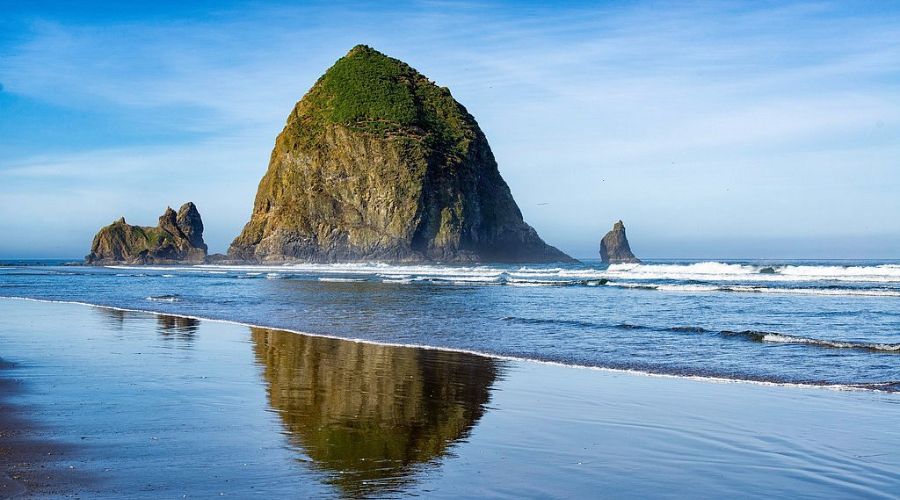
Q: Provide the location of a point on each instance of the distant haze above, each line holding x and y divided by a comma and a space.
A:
744, 130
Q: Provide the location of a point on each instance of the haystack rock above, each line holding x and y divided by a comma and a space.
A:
614, 248
376, 162
177, 239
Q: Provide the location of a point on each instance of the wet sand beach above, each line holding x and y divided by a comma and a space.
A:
32, 459
12, 448
141, 405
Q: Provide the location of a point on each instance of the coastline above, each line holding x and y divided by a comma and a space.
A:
633, 372
258, 411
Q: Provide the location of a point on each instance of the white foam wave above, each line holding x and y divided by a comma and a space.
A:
788, 339
164, 298
722, 272
400, 281
830, 292
696, 269
701, 276
827, 292
688, 288
702, 271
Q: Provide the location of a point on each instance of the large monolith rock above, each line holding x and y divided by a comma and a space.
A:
377, 163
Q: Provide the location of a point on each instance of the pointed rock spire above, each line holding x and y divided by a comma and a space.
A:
614, 248
191, 225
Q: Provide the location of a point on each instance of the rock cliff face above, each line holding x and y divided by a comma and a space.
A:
376, 162
177, 239
614, 248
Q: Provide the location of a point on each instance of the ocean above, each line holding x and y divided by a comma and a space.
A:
823, 323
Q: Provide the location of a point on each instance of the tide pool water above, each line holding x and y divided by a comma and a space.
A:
820, 323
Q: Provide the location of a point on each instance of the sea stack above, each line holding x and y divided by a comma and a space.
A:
614, 248
377, 163
178, 238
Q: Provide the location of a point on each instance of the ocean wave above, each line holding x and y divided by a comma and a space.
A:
696, 269
551, 321
720, 271
703, 271
810, 290
753, 335
165, 298
571, 322
701, 277
373, 268
823, 291
688, 329
782, 338
890, 386
688, 288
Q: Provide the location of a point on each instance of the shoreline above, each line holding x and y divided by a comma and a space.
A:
639, 373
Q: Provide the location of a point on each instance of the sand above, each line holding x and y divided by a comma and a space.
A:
140, 405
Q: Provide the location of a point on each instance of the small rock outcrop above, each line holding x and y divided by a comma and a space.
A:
614, 248
376, 162
178, 238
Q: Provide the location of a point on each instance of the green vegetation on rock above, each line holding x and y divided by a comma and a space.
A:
368, 91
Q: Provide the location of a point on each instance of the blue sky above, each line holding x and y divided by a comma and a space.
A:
713, 129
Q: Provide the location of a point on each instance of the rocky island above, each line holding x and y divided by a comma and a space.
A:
614, 248
377, 162
178, 238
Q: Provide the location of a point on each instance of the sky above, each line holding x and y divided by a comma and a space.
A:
713, 129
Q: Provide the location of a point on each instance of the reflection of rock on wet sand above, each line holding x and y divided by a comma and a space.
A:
368, 414
116, 317
177, 326
167, 326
